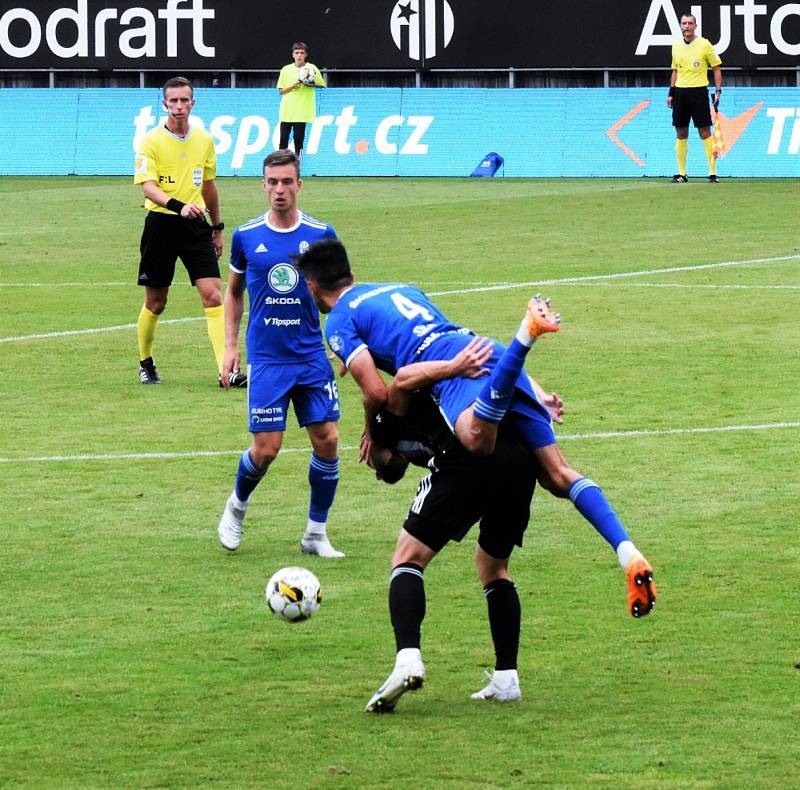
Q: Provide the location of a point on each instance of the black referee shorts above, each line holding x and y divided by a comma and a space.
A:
166, 238
691, 104
463, 489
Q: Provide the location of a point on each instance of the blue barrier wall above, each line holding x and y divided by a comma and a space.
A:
408, 132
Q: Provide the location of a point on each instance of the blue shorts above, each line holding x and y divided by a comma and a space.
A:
455, 395
309, 385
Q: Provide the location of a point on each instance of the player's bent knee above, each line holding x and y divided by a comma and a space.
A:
264, 452
324, 439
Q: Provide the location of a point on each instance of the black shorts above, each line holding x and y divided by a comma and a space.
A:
691, 104
463, 489
165, 239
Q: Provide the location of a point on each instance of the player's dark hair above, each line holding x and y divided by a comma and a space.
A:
389, 468
177, 82
326, 263
283, 156
689, 14
300, 45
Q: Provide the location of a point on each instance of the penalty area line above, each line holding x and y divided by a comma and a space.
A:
231, 453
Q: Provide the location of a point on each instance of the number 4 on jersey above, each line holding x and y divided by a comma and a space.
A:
409, 309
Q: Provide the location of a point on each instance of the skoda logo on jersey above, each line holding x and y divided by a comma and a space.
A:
283, 278
421, 34
197, 176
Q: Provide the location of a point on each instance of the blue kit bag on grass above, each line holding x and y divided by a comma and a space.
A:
488, 166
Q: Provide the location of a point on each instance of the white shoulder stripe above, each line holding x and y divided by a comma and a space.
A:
312, 222
257, 222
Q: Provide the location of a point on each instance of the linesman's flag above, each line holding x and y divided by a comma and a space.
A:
717, 141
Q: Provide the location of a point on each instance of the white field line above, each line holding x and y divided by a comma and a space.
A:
97, 330
620, 275
591, 278
227, 453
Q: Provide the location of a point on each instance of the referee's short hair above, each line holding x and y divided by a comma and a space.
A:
177, 82
326, 263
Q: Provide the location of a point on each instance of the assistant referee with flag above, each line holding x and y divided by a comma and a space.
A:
692, 57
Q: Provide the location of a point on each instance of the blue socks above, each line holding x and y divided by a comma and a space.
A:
494, 399
248, 476
323, 477
592, 504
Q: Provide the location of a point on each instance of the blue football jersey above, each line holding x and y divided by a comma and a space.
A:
395, 322
284, 321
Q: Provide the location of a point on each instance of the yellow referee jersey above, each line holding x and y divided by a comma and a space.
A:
177, 165
692, 62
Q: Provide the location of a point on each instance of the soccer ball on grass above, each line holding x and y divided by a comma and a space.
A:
306, 74
293, 594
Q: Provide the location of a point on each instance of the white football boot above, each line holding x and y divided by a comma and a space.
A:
230, 527
503, 686
319, 545
408, 675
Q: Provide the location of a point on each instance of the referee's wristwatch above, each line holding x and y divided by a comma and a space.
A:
220, 226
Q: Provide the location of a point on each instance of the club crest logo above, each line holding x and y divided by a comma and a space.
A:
283, 278
422, 33
335, 342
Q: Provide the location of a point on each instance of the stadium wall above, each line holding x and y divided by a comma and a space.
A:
408, 132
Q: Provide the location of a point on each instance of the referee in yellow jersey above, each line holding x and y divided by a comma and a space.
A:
692, 57
177, 166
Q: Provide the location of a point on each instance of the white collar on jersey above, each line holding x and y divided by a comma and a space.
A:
284, 230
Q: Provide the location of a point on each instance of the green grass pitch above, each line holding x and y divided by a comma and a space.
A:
135, 653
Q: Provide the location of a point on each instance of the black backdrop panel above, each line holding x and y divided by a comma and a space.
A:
388, 34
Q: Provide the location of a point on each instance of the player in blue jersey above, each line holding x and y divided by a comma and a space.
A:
399, 326
286, 358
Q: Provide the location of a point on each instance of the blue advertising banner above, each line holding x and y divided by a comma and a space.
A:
615, 132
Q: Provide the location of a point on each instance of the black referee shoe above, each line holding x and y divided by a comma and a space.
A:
679, 179
236, 378
712, 179
147, 372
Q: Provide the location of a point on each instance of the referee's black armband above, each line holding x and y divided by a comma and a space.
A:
671, 90
175, 205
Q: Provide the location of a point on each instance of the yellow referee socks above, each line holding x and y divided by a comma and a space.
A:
216, 332
146, 331
708, 144
681, 151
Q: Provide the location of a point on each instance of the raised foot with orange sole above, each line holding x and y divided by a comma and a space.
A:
641, 587
540, 318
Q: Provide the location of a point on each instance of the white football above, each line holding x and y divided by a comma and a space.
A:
293, 594
306, 74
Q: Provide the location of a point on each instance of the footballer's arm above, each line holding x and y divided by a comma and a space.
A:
469, 363
374, 392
